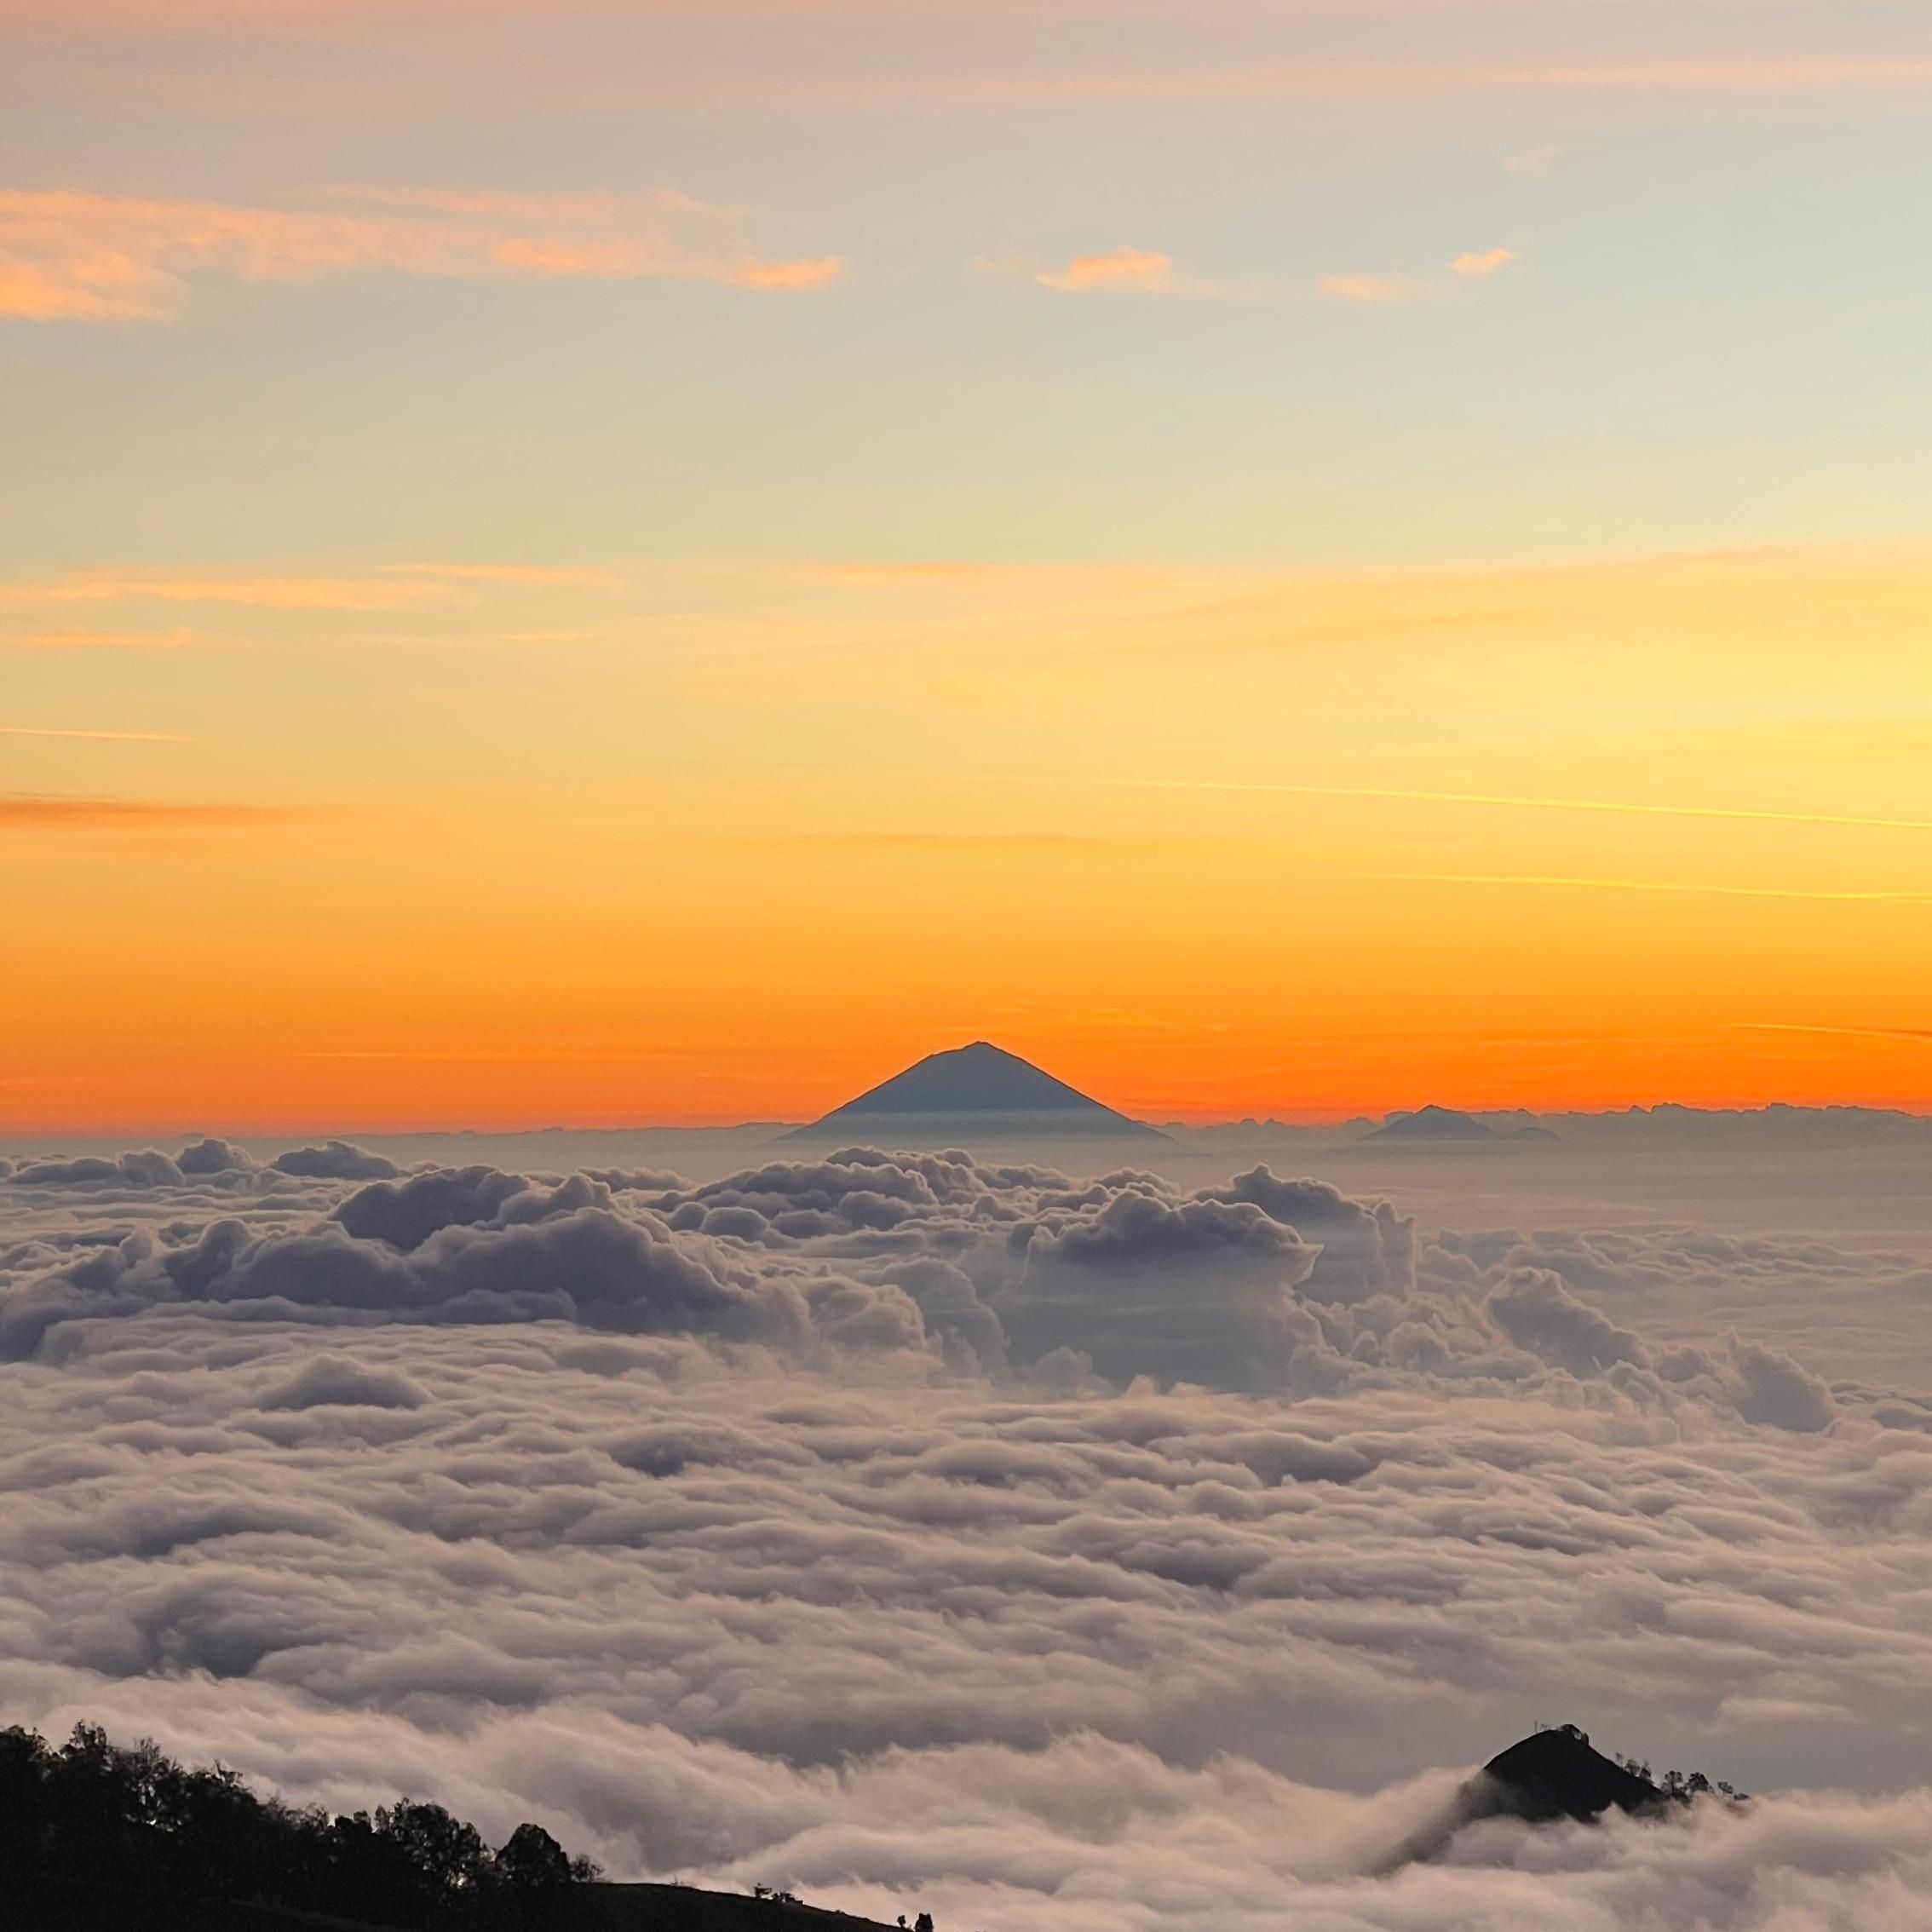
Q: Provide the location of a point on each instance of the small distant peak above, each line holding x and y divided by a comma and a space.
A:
1433, 1123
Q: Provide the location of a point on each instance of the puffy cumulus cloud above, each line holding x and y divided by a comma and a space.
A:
336, 1161
1367, 1248
405, 1214
213, 1156
1688, 1293
1200, 1290
1534, 1309
332, 1381
1263, 1283
147, 1169
914, 1530
1771, 1387
586, 1264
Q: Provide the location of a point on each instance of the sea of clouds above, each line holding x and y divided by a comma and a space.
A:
1047, 1552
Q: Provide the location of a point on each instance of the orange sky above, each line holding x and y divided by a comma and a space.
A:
1208, 844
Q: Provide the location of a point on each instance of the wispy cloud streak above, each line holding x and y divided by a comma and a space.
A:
1619, 807
1689, 888
31, 811
1794, 73
75, 256
393, 587
1849, 1032
111, 737
179, 638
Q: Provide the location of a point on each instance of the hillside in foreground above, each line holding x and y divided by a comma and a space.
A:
98, 1838
95, 1836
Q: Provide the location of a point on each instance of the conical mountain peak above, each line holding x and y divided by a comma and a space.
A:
978, 1086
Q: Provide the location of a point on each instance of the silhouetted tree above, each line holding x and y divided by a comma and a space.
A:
93, 1813
532, 1861
443, 1854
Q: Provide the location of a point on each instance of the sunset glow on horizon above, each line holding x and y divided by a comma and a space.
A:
653, 562
963, 958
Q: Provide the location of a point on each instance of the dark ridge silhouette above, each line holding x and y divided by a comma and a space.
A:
681, 1908
1448, 1123
1553, 1774
1556, 1773
99, 1838
979, 1090
1433, 1124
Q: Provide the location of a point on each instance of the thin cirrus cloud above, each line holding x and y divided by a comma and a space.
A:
75, 256
545, 577
26, 812
269, 593
1848, 1032
395, 587
1395, 80
100, 734
1694, 888
178, 637
1371, 291
1616, 807
1666, 65
995, 842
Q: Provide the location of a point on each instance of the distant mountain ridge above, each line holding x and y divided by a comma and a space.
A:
1449, 1124
981, 1088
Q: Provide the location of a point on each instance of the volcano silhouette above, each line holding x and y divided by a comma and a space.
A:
979, 1089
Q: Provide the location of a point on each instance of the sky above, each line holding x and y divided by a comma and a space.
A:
606, 562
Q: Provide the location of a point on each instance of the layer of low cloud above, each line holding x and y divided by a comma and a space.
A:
75, 255
1044, 1551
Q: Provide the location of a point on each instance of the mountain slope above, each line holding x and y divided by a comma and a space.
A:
680, 1908
979, 1087
1432, 1124
1556, 1775
54, 1904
